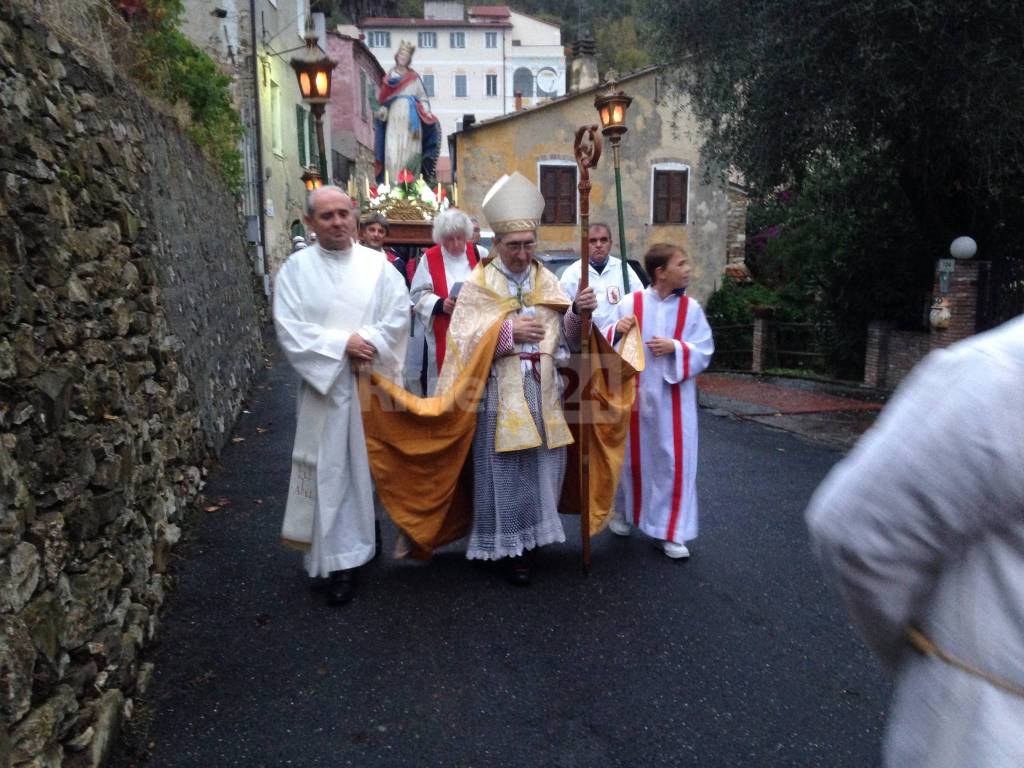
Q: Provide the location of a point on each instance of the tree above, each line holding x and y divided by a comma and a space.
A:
926, 89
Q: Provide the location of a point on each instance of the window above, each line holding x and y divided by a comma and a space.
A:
460, 87
517, 43
491, 39
522, 82
277, 136
428, 85
492, 85
379, 39
300, 126
427, 39
669, 200
458, 39
558, 185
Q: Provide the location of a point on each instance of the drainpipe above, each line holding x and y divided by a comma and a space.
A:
261, 268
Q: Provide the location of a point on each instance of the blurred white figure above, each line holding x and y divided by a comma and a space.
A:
923, 526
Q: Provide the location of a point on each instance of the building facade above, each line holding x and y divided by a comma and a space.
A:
473, 61
351, 109
253, 42
665, 196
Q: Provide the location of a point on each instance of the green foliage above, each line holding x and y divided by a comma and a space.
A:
845, 249
734, 303
618, 46
921, 87
178, 72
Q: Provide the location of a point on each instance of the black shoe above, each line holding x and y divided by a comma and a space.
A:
519, 576
342, 587
376, 539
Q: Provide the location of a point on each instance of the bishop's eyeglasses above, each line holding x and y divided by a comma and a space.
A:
519, 245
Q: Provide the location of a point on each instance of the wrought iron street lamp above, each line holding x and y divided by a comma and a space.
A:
611, 106
313, 69
311, 178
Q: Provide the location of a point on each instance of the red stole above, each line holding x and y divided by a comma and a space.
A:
435, 264
677, 422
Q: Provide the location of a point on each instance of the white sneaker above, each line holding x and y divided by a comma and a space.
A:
673, 550
619, 526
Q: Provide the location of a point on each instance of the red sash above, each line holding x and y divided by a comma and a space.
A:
677, 422
435, 265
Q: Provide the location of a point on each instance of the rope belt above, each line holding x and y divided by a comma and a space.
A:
534, 359
921, 643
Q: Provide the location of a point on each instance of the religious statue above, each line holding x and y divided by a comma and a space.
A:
407, 135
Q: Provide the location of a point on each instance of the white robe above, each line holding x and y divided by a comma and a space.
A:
607, 285
923, 523
421, 293
657, 490
321, 298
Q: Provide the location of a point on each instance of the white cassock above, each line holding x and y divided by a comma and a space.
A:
657, 491
607, 285
421, 293
321, 298
923, 524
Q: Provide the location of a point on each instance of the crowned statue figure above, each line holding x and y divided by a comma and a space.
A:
407, 135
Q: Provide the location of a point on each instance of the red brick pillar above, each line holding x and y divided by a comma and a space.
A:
962, 299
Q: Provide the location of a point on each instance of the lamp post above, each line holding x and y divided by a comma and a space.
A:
313, 70
611, 106
311, 178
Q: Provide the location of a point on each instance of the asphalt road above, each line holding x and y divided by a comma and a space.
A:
738, 657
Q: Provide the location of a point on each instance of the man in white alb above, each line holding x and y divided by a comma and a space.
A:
339, 308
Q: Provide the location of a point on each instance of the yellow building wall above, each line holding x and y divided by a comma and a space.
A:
660, 130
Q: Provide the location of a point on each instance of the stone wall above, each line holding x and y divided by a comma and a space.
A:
128, 337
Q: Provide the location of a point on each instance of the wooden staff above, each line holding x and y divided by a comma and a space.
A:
587, 148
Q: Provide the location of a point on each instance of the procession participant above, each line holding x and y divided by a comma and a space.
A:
442, 267
337, 309
373, 229
657, 490
921, 528
605, 275
481, 252
518, 454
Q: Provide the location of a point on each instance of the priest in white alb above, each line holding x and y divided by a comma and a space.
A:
339, 309
657, 491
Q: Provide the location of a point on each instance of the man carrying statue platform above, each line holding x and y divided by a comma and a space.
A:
487, 455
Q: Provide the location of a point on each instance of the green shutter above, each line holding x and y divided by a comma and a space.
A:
300, 122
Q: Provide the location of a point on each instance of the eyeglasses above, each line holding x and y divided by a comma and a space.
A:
600, 240
516, 247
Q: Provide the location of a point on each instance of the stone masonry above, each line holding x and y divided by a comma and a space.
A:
129, 333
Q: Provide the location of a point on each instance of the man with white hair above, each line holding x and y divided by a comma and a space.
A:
441, 272
338, 309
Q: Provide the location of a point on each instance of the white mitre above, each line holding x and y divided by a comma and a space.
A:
513, 204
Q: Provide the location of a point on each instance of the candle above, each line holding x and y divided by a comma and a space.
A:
366, 187
455, 195
387, 183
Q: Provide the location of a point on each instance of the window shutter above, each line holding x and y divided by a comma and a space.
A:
660, 197
566, 196
300, 123
675, 197
547, 188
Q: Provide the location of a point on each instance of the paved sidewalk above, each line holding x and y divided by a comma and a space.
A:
833, 414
